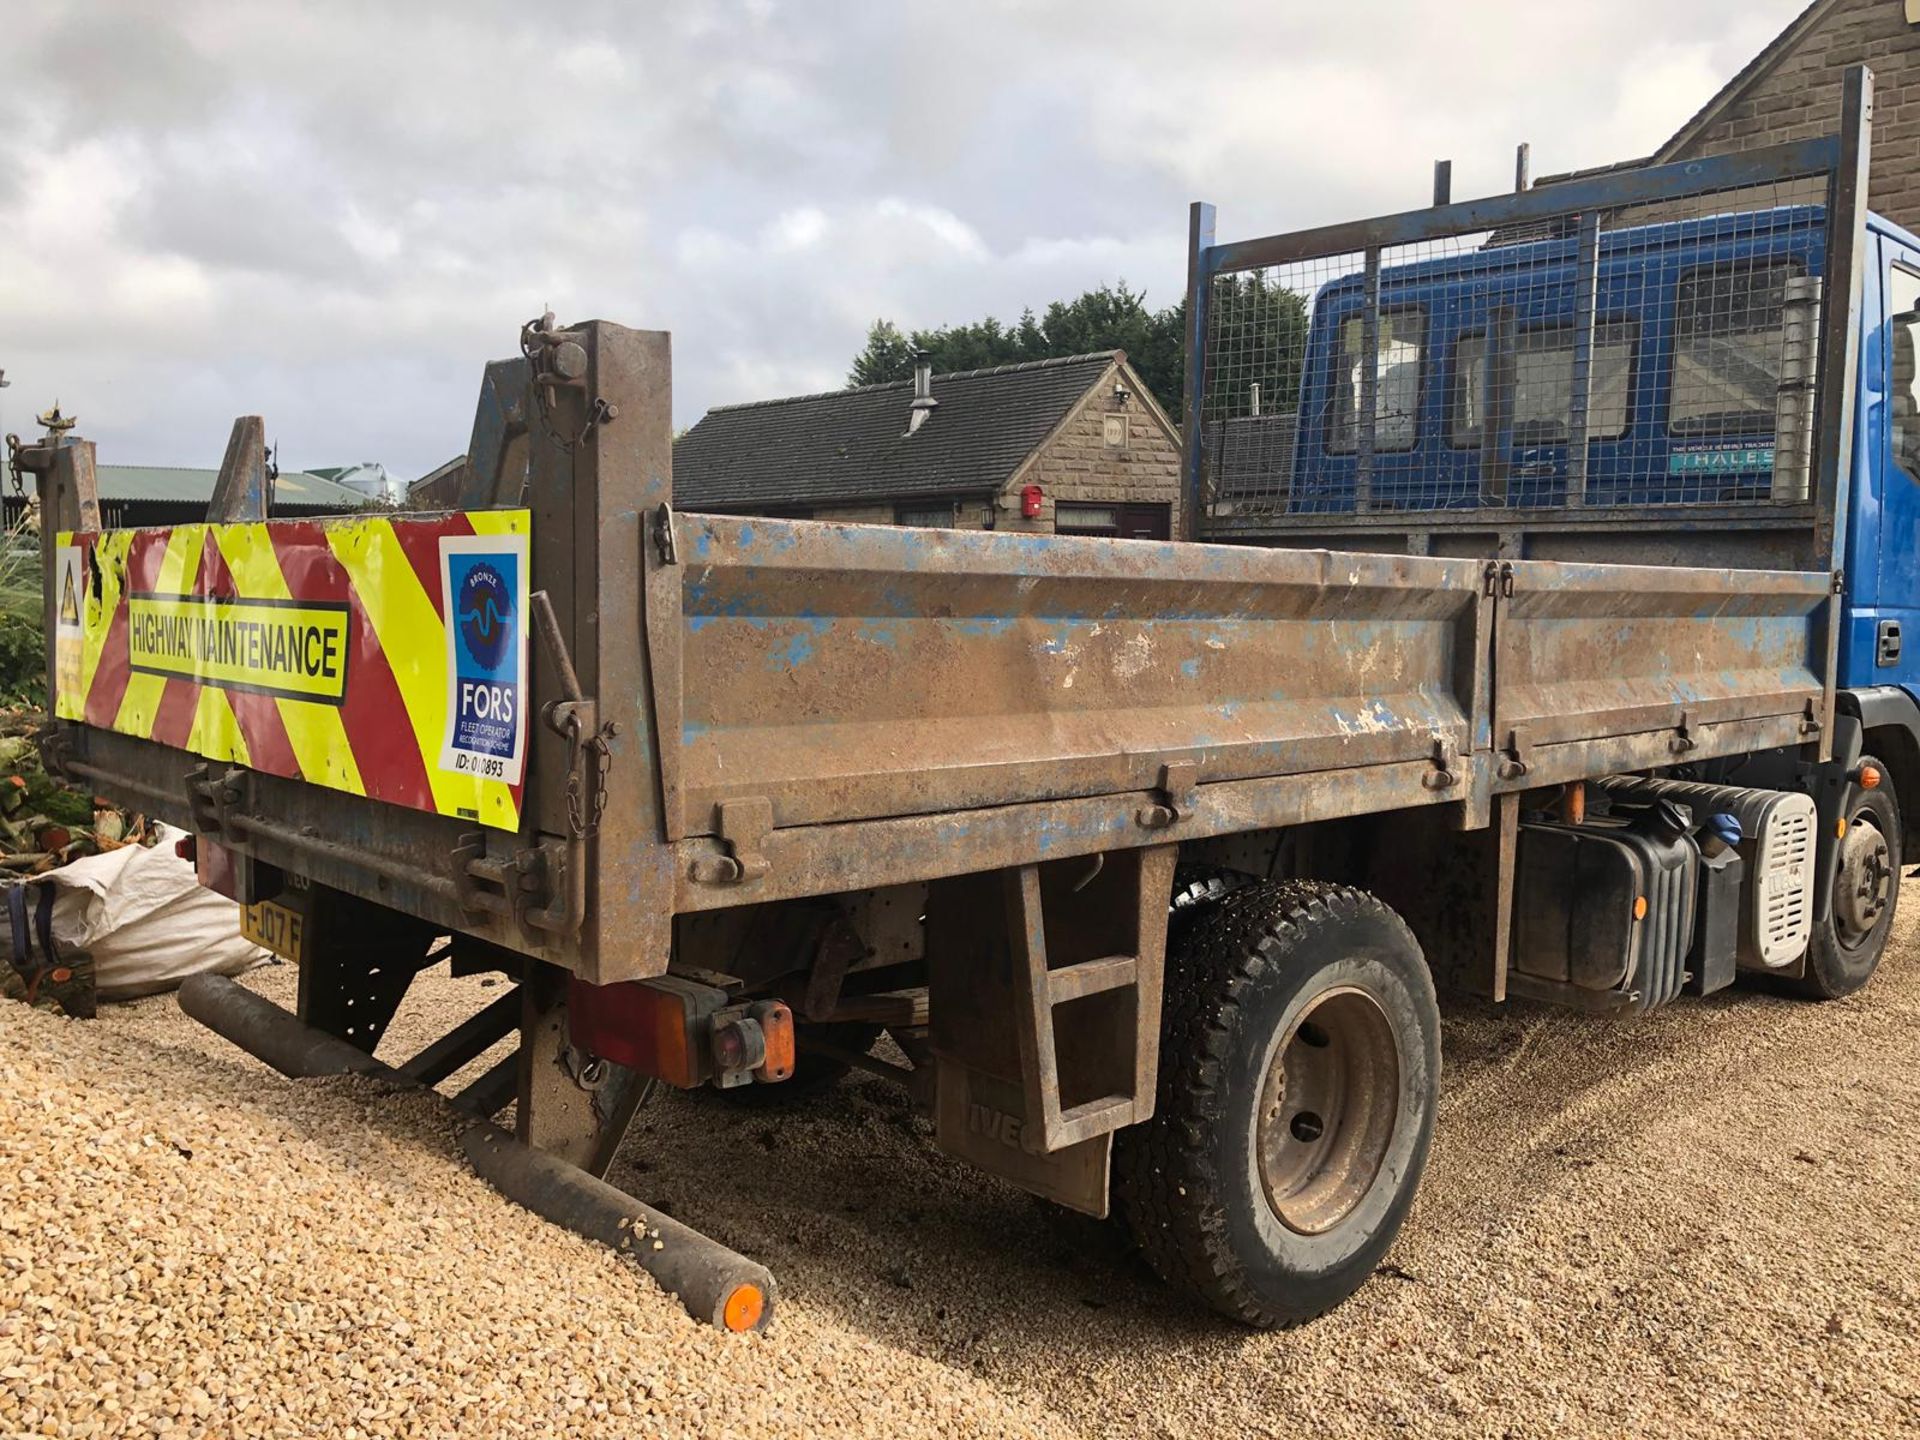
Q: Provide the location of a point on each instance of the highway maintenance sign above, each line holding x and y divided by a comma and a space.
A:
384, 656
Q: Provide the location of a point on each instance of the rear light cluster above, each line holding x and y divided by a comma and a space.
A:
682, 1032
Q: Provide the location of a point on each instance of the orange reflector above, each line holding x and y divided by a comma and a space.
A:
1639, 907
1869, 777
1840, 828
743, 1309
776, 1024
1573, 803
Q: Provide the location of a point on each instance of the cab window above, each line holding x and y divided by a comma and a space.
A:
1543, 384
1403, 342
1903, 325
1728, 334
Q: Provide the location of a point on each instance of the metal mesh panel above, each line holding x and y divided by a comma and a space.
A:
1632, 356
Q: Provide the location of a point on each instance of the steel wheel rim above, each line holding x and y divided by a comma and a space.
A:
1865, 880
1328, 1107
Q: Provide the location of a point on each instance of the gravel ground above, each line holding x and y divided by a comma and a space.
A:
1698, 1223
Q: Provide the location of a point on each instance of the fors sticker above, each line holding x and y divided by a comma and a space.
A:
484, 586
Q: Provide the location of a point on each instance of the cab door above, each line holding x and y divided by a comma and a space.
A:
1885, 636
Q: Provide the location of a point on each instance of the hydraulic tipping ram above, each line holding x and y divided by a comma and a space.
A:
714, 1283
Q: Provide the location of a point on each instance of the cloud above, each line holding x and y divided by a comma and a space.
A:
333, 214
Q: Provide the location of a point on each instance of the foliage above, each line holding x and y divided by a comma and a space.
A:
1259, 334
23, 655
888, 356
23, 659
1109, 318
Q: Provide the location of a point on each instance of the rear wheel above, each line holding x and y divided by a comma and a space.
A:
1847, 945
1300, 1063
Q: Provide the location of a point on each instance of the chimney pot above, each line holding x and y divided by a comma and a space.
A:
923, 401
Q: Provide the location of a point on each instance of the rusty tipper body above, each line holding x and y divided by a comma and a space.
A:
1509, 655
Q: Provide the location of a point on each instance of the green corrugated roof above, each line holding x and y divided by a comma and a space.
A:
184, 485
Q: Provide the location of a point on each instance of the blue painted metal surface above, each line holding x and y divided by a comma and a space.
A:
1883, 538
1628, 667
848, 672
1640, 273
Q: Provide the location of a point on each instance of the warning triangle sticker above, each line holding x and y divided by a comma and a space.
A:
69, 602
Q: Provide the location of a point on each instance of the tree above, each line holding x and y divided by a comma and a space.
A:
1259, 337
1111, 317
1259, 330
888, 356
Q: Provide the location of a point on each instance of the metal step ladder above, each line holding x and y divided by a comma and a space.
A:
1031, 1100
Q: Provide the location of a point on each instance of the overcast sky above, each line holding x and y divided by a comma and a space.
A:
332, 214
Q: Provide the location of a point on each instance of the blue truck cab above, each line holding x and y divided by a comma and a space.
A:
1883, 532
1655, 379
1690, 353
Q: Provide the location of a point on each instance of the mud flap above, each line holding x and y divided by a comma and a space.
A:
1045, 997
981, 1118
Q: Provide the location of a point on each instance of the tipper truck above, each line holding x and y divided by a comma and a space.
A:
1537, 632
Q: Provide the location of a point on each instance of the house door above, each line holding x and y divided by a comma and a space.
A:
1123, 522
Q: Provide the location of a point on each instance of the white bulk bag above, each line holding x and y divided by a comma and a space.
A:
145, 920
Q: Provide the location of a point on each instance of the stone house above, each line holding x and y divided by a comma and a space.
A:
1074, 445
1791, 91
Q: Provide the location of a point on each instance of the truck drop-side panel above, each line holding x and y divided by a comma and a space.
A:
1601, 668
848, 673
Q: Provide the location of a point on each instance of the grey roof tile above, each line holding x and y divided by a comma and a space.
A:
852, 445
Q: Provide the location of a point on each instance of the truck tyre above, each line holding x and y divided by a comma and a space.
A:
1847, 945
1198, 888
1299, 1068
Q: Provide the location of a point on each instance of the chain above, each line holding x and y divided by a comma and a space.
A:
585, 821
532, 348
602, 762
576, 810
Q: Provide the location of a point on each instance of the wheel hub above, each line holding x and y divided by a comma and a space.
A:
1865, 880
1327, 1110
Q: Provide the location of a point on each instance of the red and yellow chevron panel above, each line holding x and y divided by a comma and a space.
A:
385, 656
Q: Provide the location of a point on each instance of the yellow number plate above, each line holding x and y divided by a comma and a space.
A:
276, 927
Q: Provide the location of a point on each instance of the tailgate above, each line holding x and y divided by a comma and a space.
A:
378, 656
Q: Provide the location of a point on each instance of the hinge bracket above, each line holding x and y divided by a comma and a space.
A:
1682, 740
663, 535
211, 796
1498, 578
1175, 796
743, 827
56, 748
525, 885
1516, 755
1444, 775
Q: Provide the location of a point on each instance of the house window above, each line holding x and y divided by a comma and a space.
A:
1403, 341
1543, 385
1077, 519
943, 516
1126, 522
1728, 338
1114, 432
